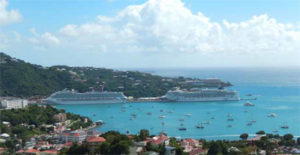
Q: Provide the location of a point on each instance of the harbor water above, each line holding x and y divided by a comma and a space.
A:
277, 91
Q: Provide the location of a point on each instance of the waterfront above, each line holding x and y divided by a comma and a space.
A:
280, 97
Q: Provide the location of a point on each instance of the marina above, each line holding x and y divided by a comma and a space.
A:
279, 96
194, 116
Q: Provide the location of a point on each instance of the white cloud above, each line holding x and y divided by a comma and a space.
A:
168, 33
169, 26
8, 16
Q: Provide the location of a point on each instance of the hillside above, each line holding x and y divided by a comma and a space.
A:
19, 78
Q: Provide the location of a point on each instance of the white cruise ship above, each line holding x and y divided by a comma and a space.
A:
73, 97
200, 95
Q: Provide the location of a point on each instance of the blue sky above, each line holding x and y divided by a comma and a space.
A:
49, 15
43, 31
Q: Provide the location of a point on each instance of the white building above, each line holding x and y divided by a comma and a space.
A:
73, 136
14, 103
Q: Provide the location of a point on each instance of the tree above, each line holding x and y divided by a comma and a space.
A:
121, 148
244, 136
144, 133
103, 148
261, 132
288, 137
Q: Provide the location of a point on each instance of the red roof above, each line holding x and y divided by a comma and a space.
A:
68, 144
50, 151
95, 139
31, 151
76, 134
20, 151
190, 140
159, 139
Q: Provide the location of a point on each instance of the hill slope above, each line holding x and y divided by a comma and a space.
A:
18, 78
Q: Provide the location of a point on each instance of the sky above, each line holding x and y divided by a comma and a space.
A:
152, 33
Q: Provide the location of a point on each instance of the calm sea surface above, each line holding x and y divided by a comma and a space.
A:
277, 91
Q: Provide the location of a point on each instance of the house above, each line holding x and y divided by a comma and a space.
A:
192, 146
160, 139
61, 117
12, 103
94, 141
73, 136
189, 144
170, 150
4, 136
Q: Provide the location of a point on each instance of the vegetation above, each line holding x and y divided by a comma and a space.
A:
244, 136
116, 143
30, 121
21, 79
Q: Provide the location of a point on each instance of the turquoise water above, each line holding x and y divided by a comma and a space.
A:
276, 91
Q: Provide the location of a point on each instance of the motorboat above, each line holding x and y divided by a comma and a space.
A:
188, 115
249, 104
162, 116
182, 129
272, 115
230, 119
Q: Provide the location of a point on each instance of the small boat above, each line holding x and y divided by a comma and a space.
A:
188, 115
161, 110
228, 115
99, 122
212, 118
248, 95
181, 119
163, 123
207, 122
149, 113
170, 112
131, 118
133, 115
181, 124
253, 121
230, 119
229, 126
182, 129
162, 116
275, 131
249, 104
249, 124
284, 127
200, 126
272, 115
94, 114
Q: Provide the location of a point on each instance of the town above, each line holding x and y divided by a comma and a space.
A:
45, 130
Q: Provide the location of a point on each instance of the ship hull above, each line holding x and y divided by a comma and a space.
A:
202, 99
55, 102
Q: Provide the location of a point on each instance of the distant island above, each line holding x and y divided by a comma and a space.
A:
22, 79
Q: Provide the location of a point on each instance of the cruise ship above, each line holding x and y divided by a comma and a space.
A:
73, 97
201, 95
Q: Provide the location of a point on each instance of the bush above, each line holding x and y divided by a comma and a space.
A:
244, 136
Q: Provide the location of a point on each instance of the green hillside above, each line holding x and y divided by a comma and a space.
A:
18, 78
